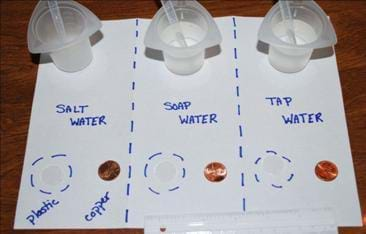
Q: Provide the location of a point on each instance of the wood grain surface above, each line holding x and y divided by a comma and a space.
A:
19, 72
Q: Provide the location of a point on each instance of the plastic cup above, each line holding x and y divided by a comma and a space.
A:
293, 58
198, 28
72, 51
312, 30
186, 62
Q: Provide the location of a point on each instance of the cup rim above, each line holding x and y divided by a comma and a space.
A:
326, 37
38, 19
91, 25
318, 34
196, 44
213, 36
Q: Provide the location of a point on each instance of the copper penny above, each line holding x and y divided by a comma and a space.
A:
326, 170
215, 172
109, 170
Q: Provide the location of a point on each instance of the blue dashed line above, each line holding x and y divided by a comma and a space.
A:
272, 152
276, 186
238, 106
145, 170
152, 190
258, 159
128, 189
37, 160
132, 125
70, 171
126, 216
133, 106
45, 192
240, 131
287, 159
184, 173
31, 180
58, 155
133, 85
130, 147
236, 73
256, 177
64, 189
175, 188
290, 178
154, 155
178, 156
243, 204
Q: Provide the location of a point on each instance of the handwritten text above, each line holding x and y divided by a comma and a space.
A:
81, 120
47, 206
294, 118
98, 208
189, 119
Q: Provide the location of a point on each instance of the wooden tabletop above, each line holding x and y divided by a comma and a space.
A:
19, 72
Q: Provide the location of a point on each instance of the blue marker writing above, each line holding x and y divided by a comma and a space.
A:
88, 121
98, 208
177, 106
198, 119
47, 206
279, 101
62, 108
303, 118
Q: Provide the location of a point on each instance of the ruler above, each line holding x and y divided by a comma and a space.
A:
302, 221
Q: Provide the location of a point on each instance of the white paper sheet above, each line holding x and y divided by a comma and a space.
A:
240, 98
